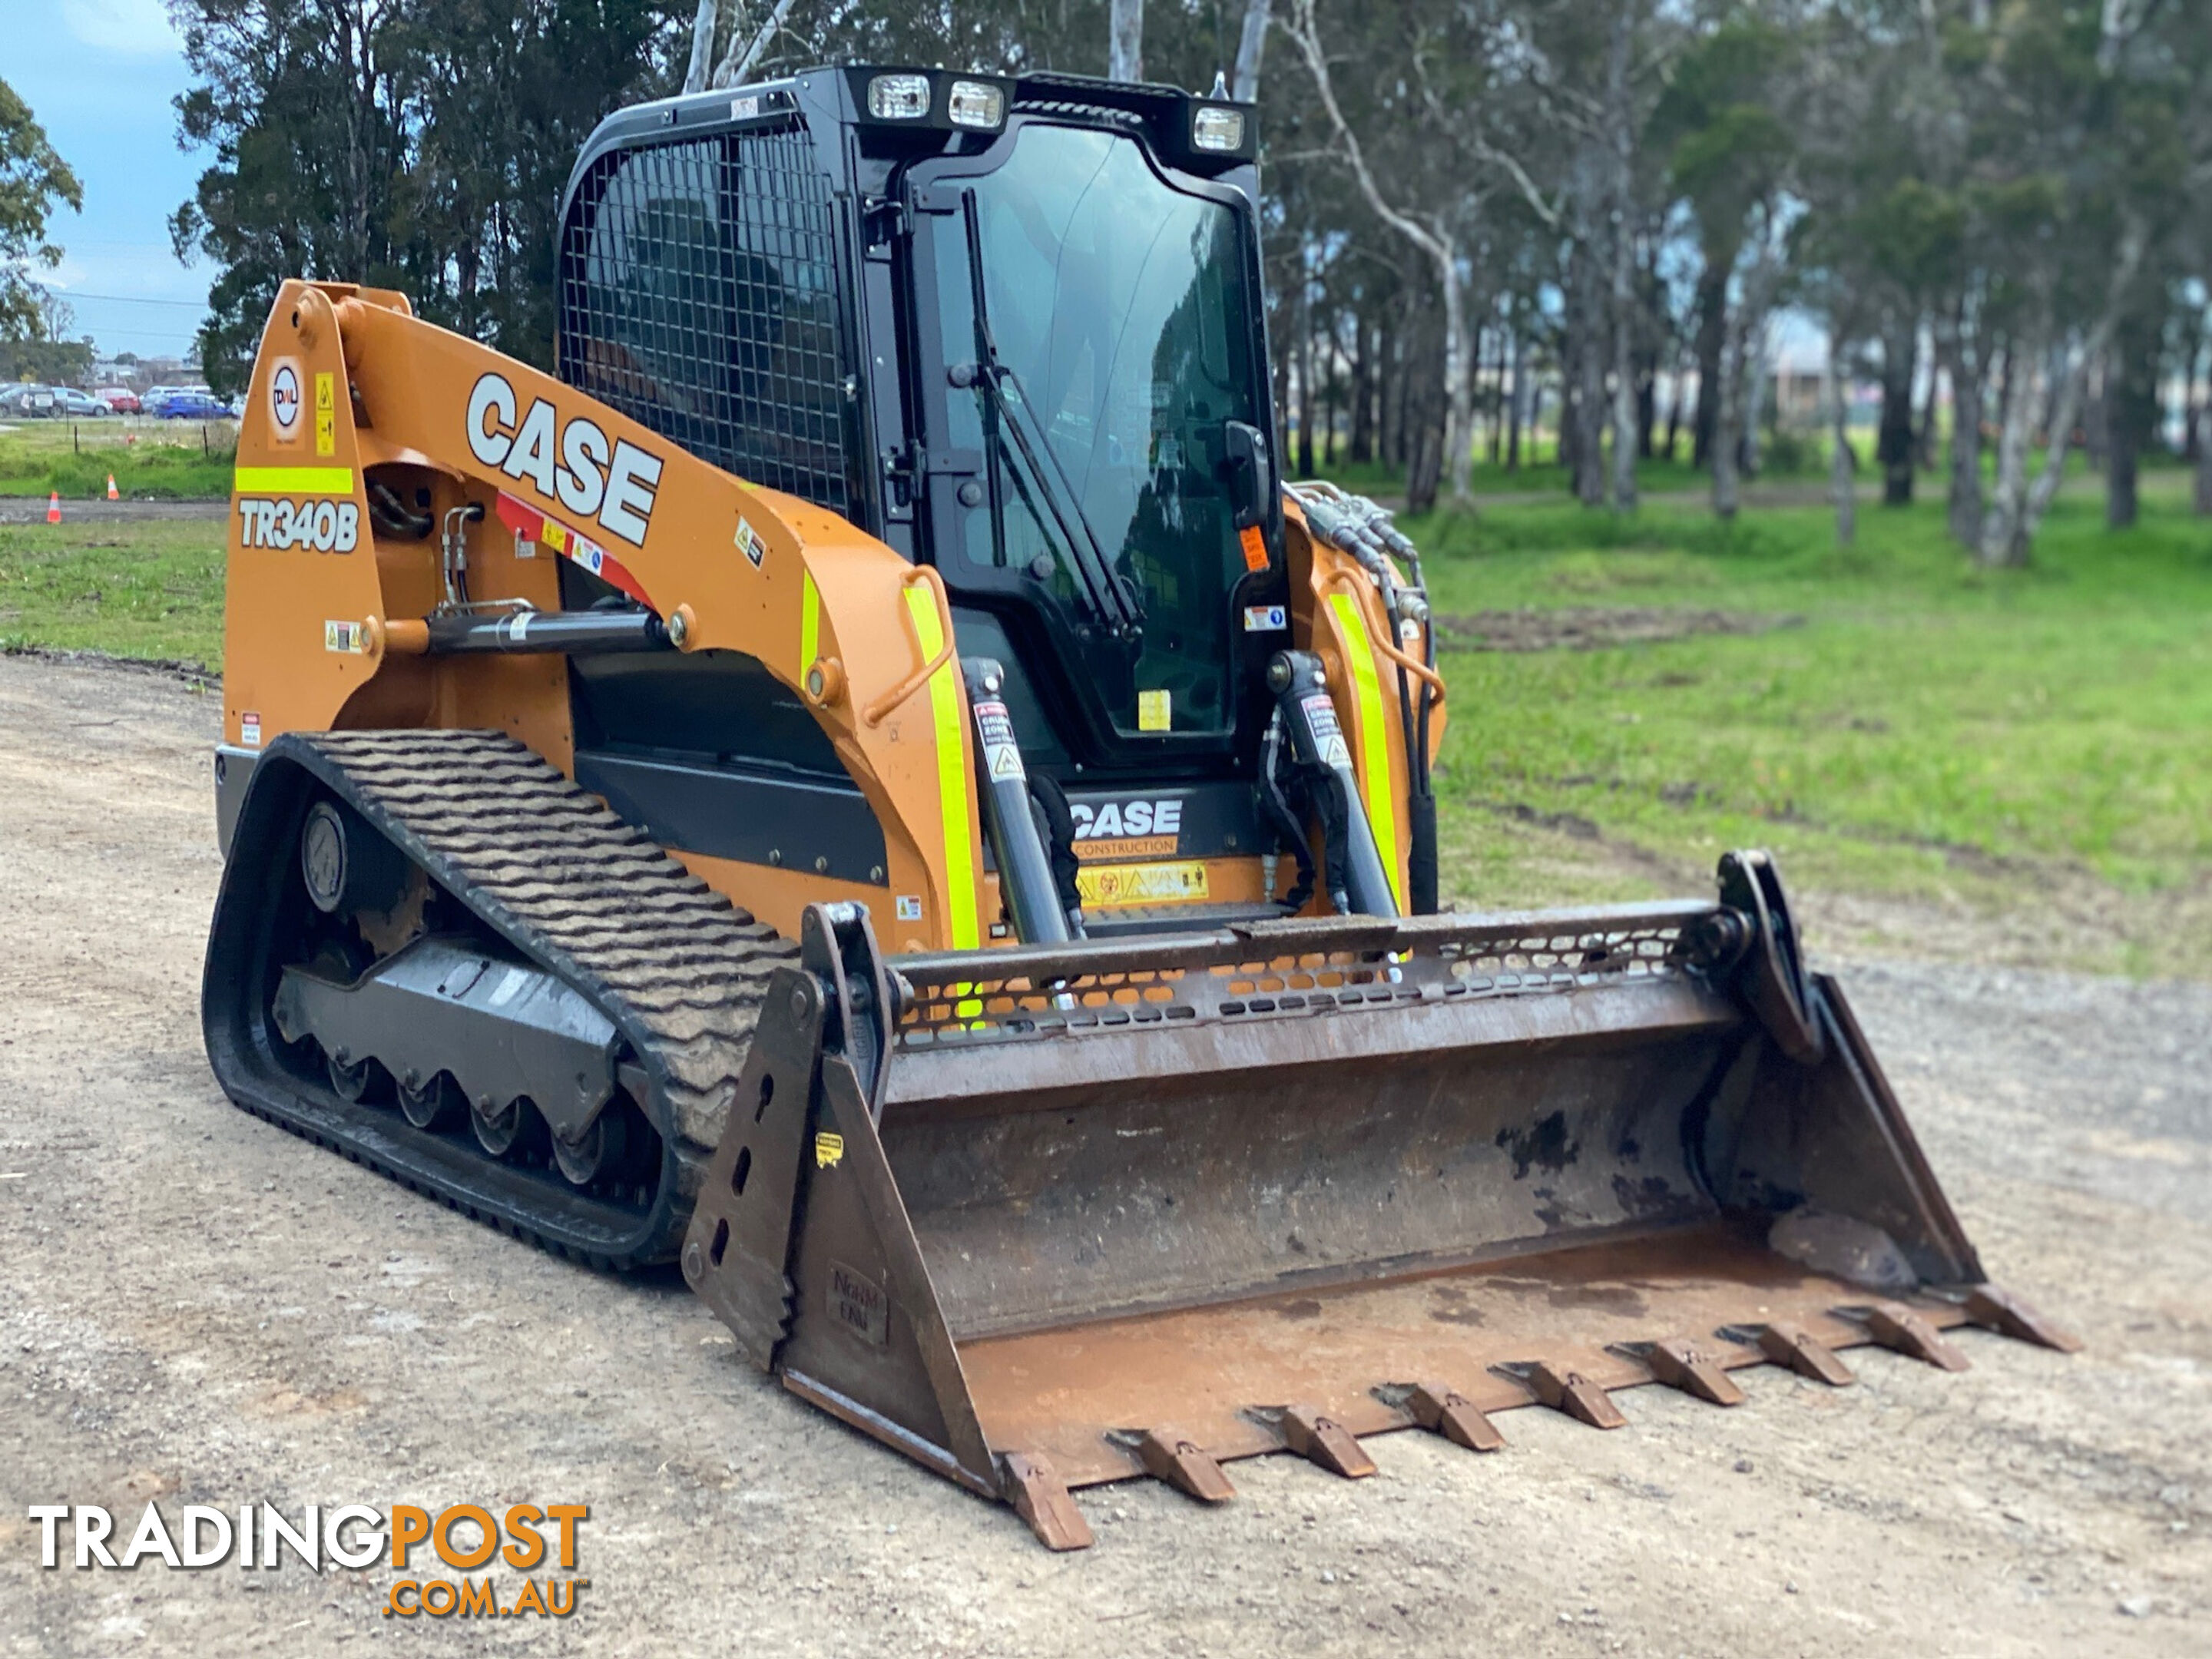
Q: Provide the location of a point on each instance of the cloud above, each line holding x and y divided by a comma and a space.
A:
137, 26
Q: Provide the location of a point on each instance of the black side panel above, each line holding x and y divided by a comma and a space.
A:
703, 705
740, 812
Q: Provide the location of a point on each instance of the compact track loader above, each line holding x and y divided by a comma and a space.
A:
867, 785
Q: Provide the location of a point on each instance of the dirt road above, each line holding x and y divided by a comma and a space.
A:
195, 1305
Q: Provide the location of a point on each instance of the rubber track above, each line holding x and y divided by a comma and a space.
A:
586, 894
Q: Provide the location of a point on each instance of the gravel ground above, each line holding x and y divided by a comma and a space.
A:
196, 1305
32, 509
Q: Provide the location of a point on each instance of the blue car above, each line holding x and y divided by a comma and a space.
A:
192, 406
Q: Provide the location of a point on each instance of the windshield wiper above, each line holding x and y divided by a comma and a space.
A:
1112, 599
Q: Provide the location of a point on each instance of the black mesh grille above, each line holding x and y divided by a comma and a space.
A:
699, 296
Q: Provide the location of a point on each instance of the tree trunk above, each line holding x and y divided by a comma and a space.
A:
703, 46
1924, 438
1742, 338
1305, 348
1516, 401
1621, 123
1841, 490
1459, 426
2131, 412
1623, 364
1586, 341
1895, 448
2203, 501
1251, 42
1726, 417
1362, 398
1428, 394
2002, 543
1125, 40
2069, 380
1712, 332
1962, 366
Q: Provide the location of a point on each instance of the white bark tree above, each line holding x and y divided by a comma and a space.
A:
1125, 40
1432, 236
1251, 42
702, 45
736, 64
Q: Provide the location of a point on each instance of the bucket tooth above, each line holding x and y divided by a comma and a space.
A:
1693, 1369
2003, 1312
1896, 1325
1184, 1465
1322, 1439
1040, 1498
1453, 1415
1565, 1389
1793, 1346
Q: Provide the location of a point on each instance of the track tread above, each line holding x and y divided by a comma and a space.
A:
588, 895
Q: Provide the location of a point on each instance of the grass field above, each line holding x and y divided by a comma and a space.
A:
1916, 733
163, 460
151, 589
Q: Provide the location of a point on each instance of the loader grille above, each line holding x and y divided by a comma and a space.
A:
700, 296
1291, 970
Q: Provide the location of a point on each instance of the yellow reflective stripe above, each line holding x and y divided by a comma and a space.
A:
1374, 740
294, 480
810, 621
952, 773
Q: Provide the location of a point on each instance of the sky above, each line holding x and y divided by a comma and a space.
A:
98, 75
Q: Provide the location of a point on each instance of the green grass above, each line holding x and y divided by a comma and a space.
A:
168, 461
1929, 729
151, 589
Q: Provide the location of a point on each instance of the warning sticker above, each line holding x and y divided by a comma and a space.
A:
531, 526
909, 906
1266, 619
749, 544
327, 412
829, 1150
1155, 711
249, 731
1328, 736
348, 638
1109, 884
1002, 757
1255, 545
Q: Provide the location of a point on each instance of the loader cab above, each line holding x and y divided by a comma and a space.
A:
1012, 327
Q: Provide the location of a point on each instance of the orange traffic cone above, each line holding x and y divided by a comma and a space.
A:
54, 508
113, 493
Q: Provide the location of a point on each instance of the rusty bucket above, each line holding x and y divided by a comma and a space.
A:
1045, 1217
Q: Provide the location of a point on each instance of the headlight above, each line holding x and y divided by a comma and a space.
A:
1215, 127
975, 104
899, 97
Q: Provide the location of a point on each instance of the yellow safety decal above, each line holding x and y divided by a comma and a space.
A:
810, 621
1374, 740
952, 773
293, 480
1105, 885
326, 416
829, 1150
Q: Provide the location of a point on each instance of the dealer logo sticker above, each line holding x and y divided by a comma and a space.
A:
285, 403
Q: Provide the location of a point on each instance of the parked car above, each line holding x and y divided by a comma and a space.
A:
29, 402
192, 406
119, 400
78, 405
